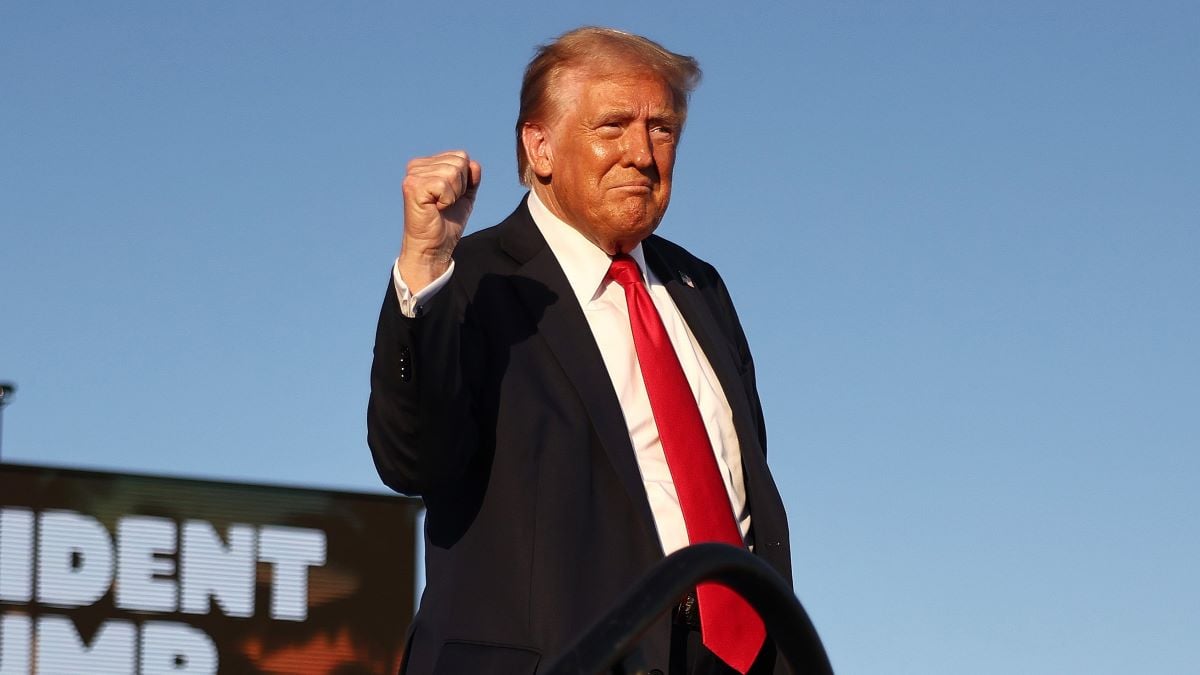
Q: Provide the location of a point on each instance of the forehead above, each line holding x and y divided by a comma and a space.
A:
618, 86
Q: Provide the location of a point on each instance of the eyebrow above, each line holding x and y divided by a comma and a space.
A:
671, 117
665, 117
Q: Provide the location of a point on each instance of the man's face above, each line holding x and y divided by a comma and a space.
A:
609, 154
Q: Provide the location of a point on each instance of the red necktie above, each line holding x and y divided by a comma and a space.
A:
730, 627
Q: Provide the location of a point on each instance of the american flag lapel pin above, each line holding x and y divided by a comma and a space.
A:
687, 280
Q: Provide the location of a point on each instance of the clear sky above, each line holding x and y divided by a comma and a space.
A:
964, 239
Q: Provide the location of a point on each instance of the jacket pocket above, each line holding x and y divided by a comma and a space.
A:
460, 657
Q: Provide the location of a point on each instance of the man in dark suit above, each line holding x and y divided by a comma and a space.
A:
510, 391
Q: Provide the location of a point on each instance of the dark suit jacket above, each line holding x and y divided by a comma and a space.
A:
495, 407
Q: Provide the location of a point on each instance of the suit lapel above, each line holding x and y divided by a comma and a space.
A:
718, 348
565, 331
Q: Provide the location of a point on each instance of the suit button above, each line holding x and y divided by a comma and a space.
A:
404, 364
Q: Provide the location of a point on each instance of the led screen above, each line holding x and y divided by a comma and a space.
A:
119, 573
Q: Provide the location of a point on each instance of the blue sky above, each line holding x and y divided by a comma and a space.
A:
963, 239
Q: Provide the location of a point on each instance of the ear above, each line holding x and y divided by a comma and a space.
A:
538, 150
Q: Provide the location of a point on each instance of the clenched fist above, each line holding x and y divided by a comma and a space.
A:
439, 192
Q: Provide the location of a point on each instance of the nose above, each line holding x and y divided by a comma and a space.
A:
638, 150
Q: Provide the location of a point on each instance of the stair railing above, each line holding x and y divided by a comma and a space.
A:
610, 645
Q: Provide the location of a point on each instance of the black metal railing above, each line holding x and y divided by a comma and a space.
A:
604, 648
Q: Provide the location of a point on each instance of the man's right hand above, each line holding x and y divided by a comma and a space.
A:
439, 192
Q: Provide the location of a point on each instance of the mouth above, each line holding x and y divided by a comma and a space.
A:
639, 187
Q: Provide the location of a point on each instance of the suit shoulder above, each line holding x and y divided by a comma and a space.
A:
679, 257
480, 252
480, 240
511, 236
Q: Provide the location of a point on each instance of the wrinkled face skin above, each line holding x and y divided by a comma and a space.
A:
605, 157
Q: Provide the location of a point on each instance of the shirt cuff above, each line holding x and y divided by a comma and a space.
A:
412, 304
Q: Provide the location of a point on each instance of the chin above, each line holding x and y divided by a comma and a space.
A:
638, 217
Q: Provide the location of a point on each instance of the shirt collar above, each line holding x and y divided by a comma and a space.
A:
584, 263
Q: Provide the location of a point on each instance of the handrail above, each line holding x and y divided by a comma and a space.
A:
616, 634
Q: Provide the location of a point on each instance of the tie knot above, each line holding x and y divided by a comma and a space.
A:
624, 270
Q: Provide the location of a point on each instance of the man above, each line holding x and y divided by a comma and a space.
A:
517, 390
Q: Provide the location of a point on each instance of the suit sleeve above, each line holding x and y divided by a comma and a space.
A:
420, 422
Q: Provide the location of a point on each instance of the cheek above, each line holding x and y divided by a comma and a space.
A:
664, 159
601, 157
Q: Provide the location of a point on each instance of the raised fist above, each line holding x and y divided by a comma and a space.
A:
439, 192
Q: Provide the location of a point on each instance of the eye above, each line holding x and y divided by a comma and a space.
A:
610, 129
664, 132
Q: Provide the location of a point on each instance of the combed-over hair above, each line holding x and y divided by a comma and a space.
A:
603, 49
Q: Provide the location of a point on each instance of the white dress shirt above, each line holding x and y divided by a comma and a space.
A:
604, 307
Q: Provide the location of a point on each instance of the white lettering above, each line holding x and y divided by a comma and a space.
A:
16, 559
74, 559
292, 550
212, 570
61, 651
16, 634
142, 541
176, 648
